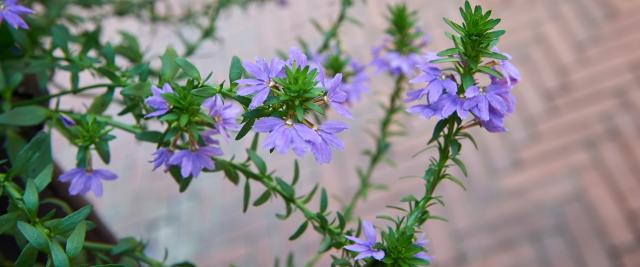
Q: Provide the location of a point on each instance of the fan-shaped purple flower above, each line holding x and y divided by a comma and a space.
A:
157, 102
193, 161
437, 83
285, 135
327, 132
366, 248
12, 13
85, 180
225, 116
261, 83
336, 98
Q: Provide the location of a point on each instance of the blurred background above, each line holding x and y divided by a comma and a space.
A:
561, 188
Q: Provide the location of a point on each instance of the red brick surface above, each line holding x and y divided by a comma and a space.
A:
560, 189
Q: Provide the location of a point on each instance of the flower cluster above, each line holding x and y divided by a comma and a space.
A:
489, 104
354, 77
286, 92
186, 114
392, 243
400, 50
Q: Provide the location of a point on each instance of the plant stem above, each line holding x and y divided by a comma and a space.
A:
43, 98
333, 31
140, 256
382, 146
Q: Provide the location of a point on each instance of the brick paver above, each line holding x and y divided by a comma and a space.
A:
560, 189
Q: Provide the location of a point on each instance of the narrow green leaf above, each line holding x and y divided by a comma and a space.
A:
437, 130
263, 198
103, 151
25, 116
188, 68
124, 245
235, 69
454, 26
299, 231
449, 52
35, 237
68, 223
169, 67
27, 257
76, 240
7, 221
286, 188
446, 60
60, 259
490, 71
257, 161
30, 198
44, 178
323, 200
460, 164
296, 172
246, 197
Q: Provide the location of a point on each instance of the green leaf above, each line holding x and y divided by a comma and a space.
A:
206, 91
299, 231
456, 181
446, 60
296, 172
35, 237
286, 188
102, 102
246, 196
257, 161
454, 26
25, 116
69, 222
263, 198
449, 52
188, 68
169, 67
60, 259
27, 257
235, 69
325, 244
44, 178
124, 245
103, 151
460, 164
437, 130
245, 128
75, 242
490, 71
7, 221
494, 55
33, 157
149, 136
323, 200
30, 198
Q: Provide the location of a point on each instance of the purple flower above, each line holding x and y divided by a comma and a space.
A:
396, 63
451, 104
422, 242
336, 98
207, 136
479, 99
192, 161
157, 102
225, 116
260, 84
428, 110
495, 123
161, 157
437, 83
12, 13
327, 131
85, 180
285, 135
366, 248
357, 84
66, 121
509, 71
297, 58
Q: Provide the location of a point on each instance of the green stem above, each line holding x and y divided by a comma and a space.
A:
43, 98
140, 256
382, 146
333, 31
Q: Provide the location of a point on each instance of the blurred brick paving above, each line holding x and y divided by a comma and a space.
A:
560, 189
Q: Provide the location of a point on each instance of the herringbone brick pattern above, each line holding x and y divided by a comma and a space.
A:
560, 189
